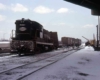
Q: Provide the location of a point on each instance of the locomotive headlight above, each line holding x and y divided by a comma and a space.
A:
22, 29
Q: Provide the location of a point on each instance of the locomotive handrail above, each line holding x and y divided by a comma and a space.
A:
23, 40
12, 35
22, 33
44, 43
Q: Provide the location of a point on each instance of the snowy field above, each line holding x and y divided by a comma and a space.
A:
82, 65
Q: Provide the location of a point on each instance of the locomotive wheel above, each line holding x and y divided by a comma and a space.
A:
19, 54
0, 49
38, 50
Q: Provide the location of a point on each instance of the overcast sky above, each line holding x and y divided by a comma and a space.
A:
67, 19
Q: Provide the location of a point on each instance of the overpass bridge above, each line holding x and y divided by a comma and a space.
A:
94, 5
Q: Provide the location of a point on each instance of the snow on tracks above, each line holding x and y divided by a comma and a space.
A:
30, 65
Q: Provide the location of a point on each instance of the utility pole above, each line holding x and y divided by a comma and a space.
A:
97, 37
98, 30
4, 36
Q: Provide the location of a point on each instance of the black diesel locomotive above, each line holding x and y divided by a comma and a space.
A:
31, 37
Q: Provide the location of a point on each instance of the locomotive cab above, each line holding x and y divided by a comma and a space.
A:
27, 29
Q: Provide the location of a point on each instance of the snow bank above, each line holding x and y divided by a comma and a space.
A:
89, 48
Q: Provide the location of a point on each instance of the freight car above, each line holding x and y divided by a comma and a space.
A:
77, 42
68, 41
31, 37
4, 46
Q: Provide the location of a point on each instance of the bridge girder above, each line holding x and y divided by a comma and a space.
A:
94, 5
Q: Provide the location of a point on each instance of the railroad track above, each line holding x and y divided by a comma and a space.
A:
14, 57
4, 54
19, 61
22, 71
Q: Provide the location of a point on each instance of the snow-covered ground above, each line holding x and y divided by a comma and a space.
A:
82, 65
16, 67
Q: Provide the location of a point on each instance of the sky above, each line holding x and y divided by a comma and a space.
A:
67, 19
